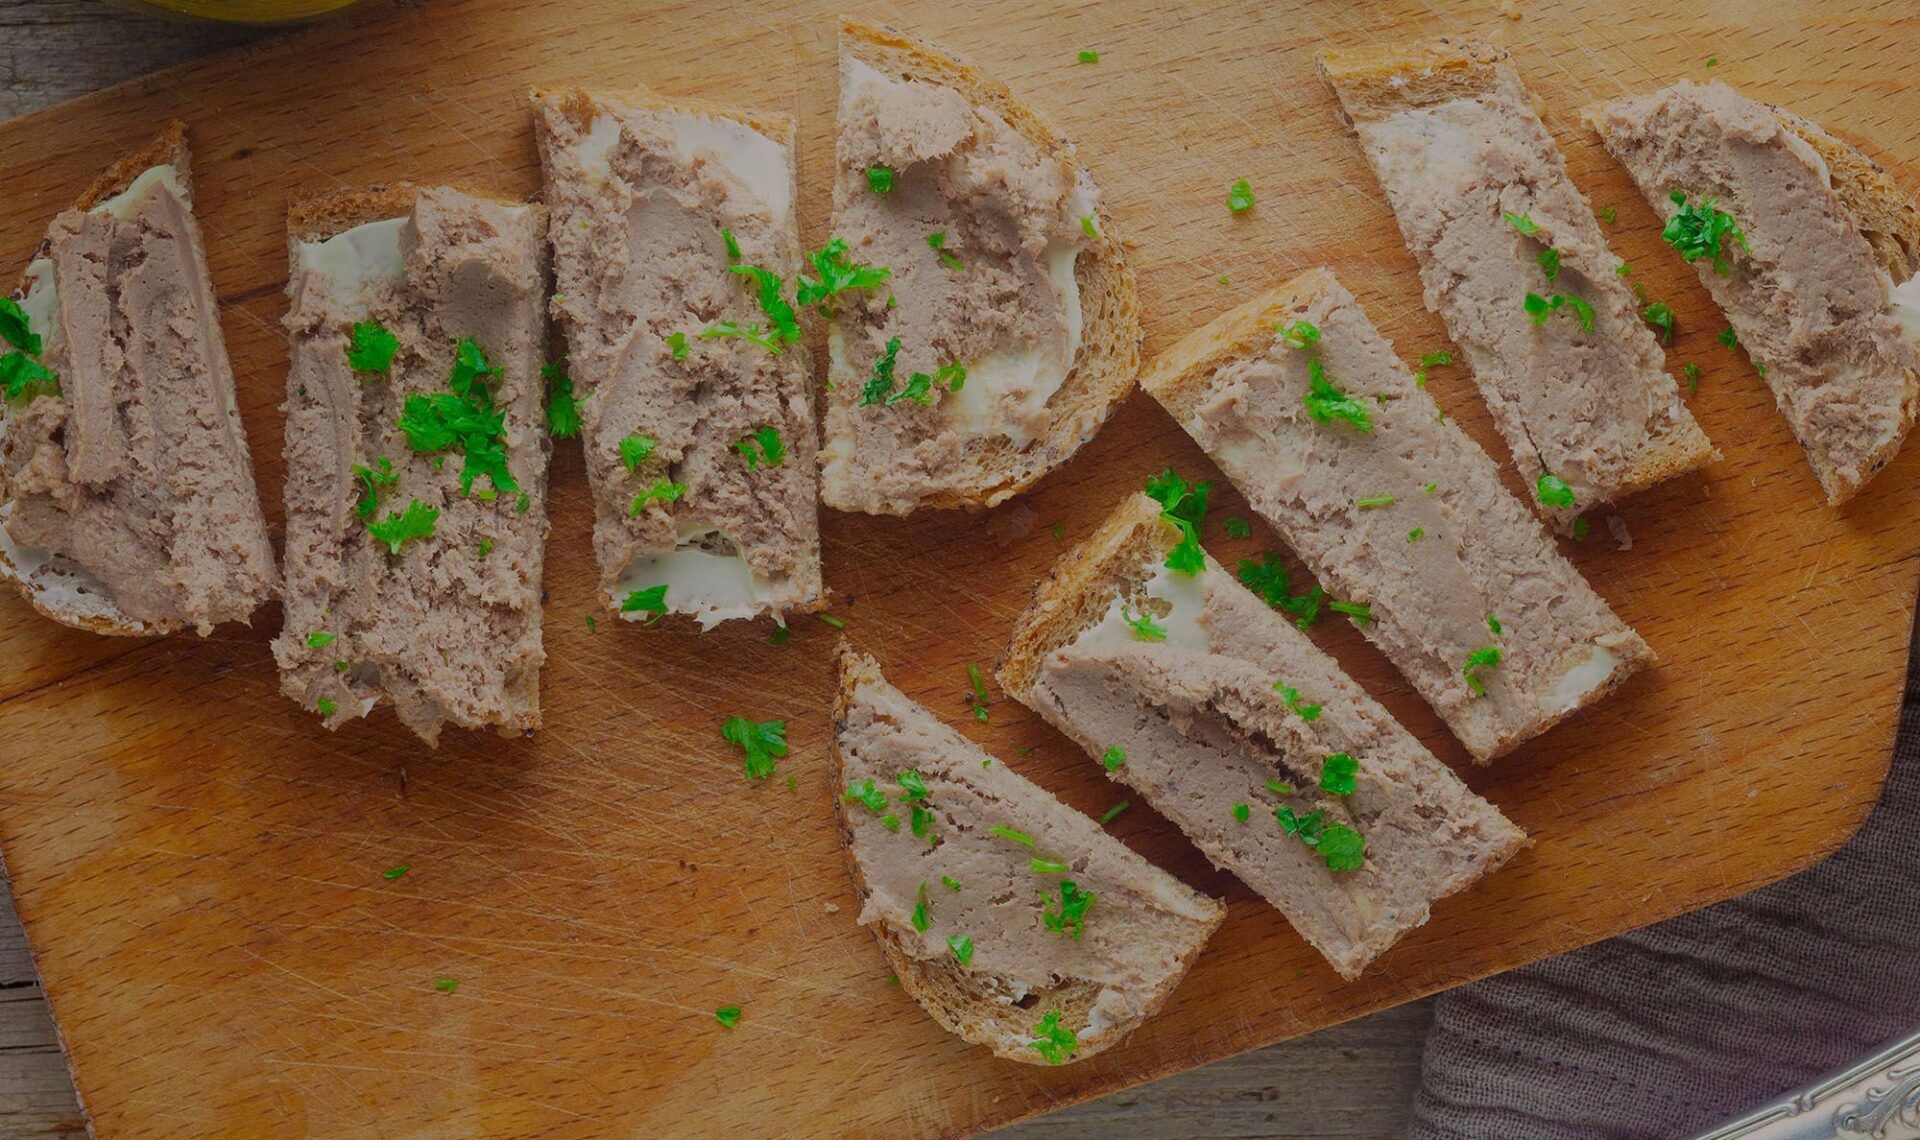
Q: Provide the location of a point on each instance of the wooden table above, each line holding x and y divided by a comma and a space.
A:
1350, 1081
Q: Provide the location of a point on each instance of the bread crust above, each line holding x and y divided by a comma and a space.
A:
168, 147
942, 987
1110, 344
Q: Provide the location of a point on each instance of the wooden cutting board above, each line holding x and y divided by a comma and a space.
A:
199, 865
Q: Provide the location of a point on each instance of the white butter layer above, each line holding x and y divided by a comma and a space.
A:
1574, 685
709, 586
358, 257
1904, 304
759, 163
1185, 594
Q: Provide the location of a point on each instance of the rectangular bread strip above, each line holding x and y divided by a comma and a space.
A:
447, 627
1456, 144
645, 193
1811, 296
1201, 727
129, 502
932, 868
1239, 389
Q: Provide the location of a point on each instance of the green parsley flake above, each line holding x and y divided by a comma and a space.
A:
1493, 623
462, 420
1239, 528
392, 873
727, 1015
1326, 403
416, 521
1712, 59
1701, 230
1430, 488
1728, 337
881, 382
866, 794
1268, 578
1240, 197
1185, 506
1041, 866
829, 619
1374, 501
662, 491
1522, 223
880, 179
1692, 373
1359, 613
446, 985
1071, 918
371, 479
837, 275
373, 347
922, 913
1144, 627
593, 623
486, 547
762, 741
652, 600
1416, 534
16, 329
1608, 214
634, 451
913, 786
1242, 812
771, 451
1337, 774
1019, 837
563, 411
950, 882
962, 947
1107, 816
1053, 1041
1089, 57
752, 333
22, 378
1435, 359
319, 640
1553, 491
1280, 787
979, 693
1660, 316
1540, 308
890, 822
1339, 846
1113, 757
1299, 334
1549, 260
937, 241
770, 292
1291, 695
677, 344
1486, 657
1580, 529
919, 389
324, 706
1087, 227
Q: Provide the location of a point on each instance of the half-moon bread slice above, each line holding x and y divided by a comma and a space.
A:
1016, 921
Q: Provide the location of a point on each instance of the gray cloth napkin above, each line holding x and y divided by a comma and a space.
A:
1671, 1030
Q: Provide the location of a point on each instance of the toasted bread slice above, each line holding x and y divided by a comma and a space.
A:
1819, 282
1240, 390
1456, 144
1096, 974
105, 529
1233, 725
657, 205
442, 618
1025, 406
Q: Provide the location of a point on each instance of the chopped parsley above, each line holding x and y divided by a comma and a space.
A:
727, 1015
962, 947
1549, 260
950, 882
1580, 529
913, 786
1089, 57
1374, 501
937, 241
1728, 337
372, 349
1339, 846
1522, 223
1113, 757
1107, 816
1185, 506
753, 333
23, 378
1240, 197
881, 382
1608, 214
320, 640
1144, 627
921, 822
890, 822
1019, 837
325, 706
1553, 491
829, 619
1435, 359
634, 451
770, 450
1360, 613
1326, 403
371, 479
1540, 308
1239, 528
446, 985
922, 913
563, 411
486, 547
16, 329
1416, 534
662, 491
1493, 623
919, 389
462, 419
1071, 918
1660, 316
762, 741
979, 693
1041, 866
392, 873
837, 275
1692, 373
1701, 230
416, 521
1280, 787
1053, 1041
652, 600
1299, 334
1242, 812
1292, 697
864, 793
881, 179
677, 345
1337, 774
1087, 227
769, 290
1486, 657
1268, 578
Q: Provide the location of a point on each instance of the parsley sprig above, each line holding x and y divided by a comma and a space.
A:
463, 419
1184, 505
1700, 230
1269, 580
762, 741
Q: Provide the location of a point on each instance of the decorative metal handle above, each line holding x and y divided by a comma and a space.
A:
1878, 1098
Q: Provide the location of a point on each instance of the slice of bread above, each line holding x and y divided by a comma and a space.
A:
868, 453
1453, 137
1228, 720
1238, 388
188, 546
1816, 285
444, 621
1096, 979
657, 205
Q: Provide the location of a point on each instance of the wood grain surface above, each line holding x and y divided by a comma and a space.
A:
199, 866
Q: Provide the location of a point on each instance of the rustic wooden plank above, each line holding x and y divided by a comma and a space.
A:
603, 884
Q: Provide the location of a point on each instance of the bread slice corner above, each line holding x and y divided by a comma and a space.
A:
1379, 80
958, 1002
1111, 336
